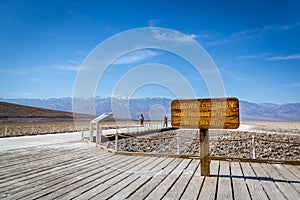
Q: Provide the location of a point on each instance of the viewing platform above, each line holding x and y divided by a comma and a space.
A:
62, 166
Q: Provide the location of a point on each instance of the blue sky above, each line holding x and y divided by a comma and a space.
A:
255, 45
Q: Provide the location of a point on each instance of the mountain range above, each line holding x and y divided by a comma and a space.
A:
154, 108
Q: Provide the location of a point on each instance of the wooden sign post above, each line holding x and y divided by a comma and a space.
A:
204, 152
204, 114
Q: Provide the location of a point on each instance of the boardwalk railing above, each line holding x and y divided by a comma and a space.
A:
253, 140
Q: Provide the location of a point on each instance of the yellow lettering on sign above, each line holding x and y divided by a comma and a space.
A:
213, 113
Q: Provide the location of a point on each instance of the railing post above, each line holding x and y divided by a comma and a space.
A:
116, 142
100, 132
253, 147
178, 144
91, 132
5, 132
97, 134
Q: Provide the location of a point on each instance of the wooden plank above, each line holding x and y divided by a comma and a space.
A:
64, 179
209, 187
294, 170
254, 186
38, 178
87, 178
240, 190
21, 169
224, 183
122, 188
109, 174
28, 172
35, 166
122, 173
178, 188
148, 187
287, 190
114, 185
267, 182
290, 177
90, 189
144, 178
34, 156
22, 158
167, 183
217, 113
193, 189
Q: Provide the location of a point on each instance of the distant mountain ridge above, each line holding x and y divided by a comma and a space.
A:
21, 113
248, 111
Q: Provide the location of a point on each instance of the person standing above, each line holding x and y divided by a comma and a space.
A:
142, 119
165, 121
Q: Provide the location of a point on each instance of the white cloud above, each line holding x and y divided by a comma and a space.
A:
135, 57
250, 33
154, 22
26, 94
253, 56
286, 57
294, 85
67, 67
171, 36
267, 56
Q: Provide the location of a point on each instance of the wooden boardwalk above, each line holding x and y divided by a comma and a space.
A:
78, 170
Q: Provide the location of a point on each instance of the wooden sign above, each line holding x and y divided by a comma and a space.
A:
214, 113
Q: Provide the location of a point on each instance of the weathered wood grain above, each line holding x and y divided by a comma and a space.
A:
267, 182
181, 183
148, 187
193, 188
240, 190
255, 189
209, 188
167, 183
224, 184
76, 171
286, 189
217, 113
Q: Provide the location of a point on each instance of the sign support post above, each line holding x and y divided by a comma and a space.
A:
204, 152
205, 114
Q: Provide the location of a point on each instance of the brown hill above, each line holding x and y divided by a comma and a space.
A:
20, 113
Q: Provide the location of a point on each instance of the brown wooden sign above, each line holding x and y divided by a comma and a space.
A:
214, 113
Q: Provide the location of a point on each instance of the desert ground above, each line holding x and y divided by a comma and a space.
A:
273, 140
280, 140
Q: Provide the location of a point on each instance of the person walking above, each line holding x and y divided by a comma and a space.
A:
142, 119
165, 121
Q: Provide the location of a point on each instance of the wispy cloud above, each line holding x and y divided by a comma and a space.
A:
285, 57
154, 22
249, 33
19, 94
234, 75
26, 94
294, 85
68, 67
253, 56
173, 36
268, 56
135, 57
234, 37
